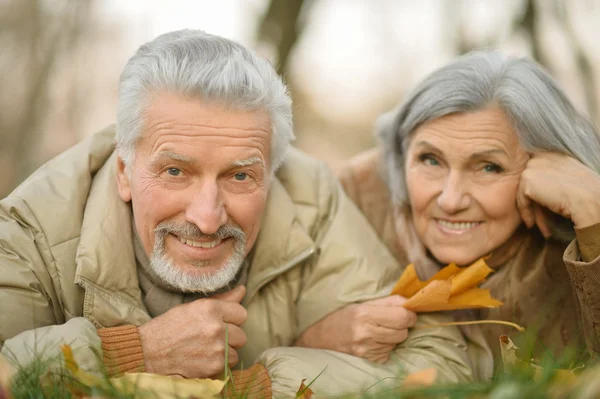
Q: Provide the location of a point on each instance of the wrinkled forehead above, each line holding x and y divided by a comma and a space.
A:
488, 129
174, 118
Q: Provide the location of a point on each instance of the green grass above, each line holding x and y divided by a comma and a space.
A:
520, 381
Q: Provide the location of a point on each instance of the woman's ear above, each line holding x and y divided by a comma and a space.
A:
123, 183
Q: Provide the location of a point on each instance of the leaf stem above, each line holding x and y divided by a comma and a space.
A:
466, 323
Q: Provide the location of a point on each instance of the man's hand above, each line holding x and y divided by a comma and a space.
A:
189, 339
369, 330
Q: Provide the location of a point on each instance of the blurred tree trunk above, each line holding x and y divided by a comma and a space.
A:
37, 38
582, 60
529, 23
281, 28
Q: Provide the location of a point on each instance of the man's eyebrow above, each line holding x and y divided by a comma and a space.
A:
173, 156
248, 162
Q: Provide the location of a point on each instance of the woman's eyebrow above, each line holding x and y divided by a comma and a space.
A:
427, 145
483, 154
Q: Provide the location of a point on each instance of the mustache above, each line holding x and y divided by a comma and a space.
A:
193, 232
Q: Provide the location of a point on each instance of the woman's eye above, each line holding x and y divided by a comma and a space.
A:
492, 168
174, 171
240, 176
429, 160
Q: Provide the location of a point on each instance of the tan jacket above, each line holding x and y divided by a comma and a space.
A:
543, 283
68, 267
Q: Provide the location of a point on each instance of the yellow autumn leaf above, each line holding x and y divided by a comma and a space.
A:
430, 297
510, 359
163, 386
470, 277
452, 288
423, 377
132, 383
78, 374
304, 392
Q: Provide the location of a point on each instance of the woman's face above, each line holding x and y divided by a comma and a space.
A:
462, 173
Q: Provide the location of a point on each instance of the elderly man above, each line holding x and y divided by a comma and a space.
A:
199, 222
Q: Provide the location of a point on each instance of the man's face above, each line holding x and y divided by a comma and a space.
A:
198, 187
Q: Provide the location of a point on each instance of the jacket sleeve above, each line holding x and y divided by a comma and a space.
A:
43, 345
31, 320
585, 278
351, 264
335, 373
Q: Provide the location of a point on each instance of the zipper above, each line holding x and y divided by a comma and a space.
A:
302, 256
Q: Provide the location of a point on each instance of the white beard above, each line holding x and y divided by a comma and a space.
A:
163, 269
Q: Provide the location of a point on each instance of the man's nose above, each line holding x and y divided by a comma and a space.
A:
454, 196
206, 209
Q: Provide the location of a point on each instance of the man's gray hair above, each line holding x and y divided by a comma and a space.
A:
542, 116
199, 65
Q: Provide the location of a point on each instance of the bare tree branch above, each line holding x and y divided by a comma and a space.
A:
584, 65
280, 27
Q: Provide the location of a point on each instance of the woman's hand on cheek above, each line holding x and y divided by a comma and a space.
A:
561, 184
369, 330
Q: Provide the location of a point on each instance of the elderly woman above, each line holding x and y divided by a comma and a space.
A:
488, 158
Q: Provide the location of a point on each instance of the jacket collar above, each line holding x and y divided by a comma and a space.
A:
106, 265
282, 243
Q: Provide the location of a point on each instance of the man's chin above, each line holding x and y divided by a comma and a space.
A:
186, 276
199, 272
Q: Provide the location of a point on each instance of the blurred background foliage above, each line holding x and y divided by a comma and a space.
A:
346, 61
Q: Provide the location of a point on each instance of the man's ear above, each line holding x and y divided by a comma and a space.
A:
123, 184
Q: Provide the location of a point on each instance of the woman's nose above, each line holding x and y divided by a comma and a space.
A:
454, 197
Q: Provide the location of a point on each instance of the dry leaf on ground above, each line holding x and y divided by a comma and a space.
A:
131, 383
304, 392
510, 360
163, 386
423, 377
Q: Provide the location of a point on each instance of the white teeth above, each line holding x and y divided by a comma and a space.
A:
209, 244
457, 226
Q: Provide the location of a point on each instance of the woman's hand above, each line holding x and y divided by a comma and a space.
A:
561, 184
369, 330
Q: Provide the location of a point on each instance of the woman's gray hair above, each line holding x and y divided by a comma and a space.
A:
542, 116
199, 65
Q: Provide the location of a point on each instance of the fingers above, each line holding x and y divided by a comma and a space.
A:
226, 305
389, 336
392, 300
394, 317
531, 212
232, 357
236, 337
231, 312
541, 220
525, 208
235, 295
378, 354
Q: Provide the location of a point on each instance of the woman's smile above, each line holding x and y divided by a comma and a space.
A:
456, 227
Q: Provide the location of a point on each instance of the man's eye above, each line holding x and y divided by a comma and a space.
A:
240, 176
174, 171
492, 168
